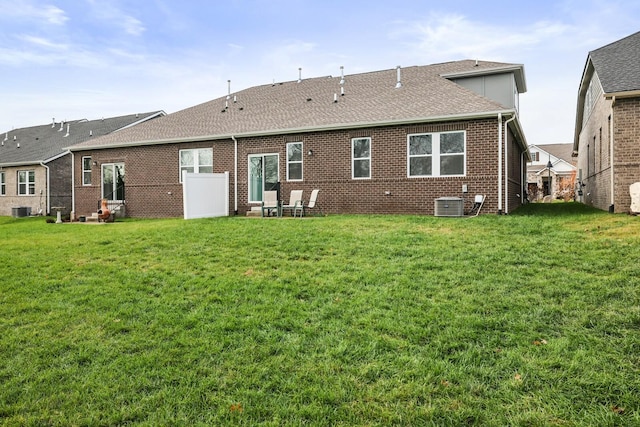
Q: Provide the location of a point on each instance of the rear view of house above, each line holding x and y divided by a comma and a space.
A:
389, 141
607, 130
36, 166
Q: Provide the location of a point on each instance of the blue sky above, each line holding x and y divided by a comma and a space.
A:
89, 59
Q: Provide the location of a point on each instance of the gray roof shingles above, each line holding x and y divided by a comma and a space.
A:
618, 65
369, 99
45, 142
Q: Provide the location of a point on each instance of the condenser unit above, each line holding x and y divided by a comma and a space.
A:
449, 206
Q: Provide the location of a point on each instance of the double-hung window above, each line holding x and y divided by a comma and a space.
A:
26, 183
86, 170
197, 160
361, 158
436, 154
294, 161
3, 185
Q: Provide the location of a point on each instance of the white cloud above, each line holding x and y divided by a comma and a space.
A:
108, 13
25, 10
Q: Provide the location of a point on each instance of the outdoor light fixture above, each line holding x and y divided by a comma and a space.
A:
310, 152
95, 163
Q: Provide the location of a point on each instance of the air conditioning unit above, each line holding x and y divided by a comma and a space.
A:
449, 206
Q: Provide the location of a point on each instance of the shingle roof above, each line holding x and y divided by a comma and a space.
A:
561, 151
618, 65
43, 143
369, 99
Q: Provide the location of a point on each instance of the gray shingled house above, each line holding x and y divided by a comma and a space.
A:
607, 129
389, 141
35, 164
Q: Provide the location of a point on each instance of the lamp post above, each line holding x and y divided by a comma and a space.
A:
549, 166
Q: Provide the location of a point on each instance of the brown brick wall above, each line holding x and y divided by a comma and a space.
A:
593, 156
152, 172
594, 153
627, 150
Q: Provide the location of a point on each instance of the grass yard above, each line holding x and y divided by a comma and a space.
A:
531, 319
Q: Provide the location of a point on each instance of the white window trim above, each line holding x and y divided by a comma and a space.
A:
3, 184
196, 158
353, 159
27, 183
86, 170
435, 155
301, 161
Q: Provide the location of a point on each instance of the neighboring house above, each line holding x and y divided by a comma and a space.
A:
388, 141
559, 180
607, 129
35, 164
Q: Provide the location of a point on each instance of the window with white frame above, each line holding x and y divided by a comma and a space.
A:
26, 183
196, 160
294, 161
436, 154
3, 185
86, 170
361, 158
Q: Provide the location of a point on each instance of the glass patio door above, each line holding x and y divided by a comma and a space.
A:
113, 181
263, 175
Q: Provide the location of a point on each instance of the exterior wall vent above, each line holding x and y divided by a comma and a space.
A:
449, 206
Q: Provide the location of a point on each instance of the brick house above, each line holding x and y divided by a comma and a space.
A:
35, 164
387, 141
607, 129
559, 180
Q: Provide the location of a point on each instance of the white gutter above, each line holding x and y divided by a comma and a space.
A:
612, 206
235, 175
270, 132
48, 189
506, 164
499, 163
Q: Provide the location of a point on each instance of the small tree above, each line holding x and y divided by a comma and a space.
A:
567, 187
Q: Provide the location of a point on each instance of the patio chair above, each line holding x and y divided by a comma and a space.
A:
270, 204
312, 205
477, 205
295, 202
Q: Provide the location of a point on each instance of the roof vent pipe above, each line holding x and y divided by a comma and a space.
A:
90, 133
300, 75
399, 83
61, 126
6, 136
342, 91
54, 123
228, 89
335, 97
235, 99
68, 126
342, 74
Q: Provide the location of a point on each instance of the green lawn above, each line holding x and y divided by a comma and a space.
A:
531, 319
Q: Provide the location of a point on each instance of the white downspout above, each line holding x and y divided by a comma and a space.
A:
613, 198
235, 175
499, 163
73, 187
48, 207
506, 165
